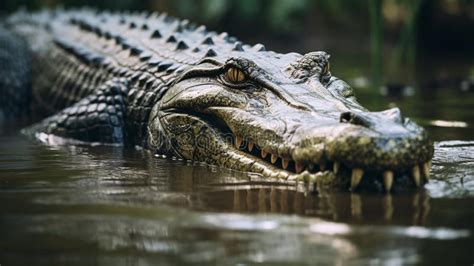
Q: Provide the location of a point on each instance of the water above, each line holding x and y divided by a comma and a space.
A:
109, 206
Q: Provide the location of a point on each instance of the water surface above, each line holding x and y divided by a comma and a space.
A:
114, 206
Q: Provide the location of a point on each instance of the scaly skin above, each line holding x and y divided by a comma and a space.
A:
178, 89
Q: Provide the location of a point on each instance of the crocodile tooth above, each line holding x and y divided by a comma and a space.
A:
336, 166
285, 162
238, 142
426, 169
264, 153
388, 180
250, 146
415, 171
298, 167
356, 177
274, 158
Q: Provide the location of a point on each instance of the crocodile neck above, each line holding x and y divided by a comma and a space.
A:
75, 52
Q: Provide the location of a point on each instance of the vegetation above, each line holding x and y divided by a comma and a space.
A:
395, 33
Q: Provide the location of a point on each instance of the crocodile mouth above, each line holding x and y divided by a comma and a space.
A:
352, 178
234, 152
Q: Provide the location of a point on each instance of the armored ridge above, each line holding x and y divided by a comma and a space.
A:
75, 52
175, 88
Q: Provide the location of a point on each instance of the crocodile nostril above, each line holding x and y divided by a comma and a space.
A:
355, 119
345, 117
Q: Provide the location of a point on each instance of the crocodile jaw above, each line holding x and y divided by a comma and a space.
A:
338, 155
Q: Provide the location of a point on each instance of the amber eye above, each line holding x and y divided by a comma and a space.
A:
235, 75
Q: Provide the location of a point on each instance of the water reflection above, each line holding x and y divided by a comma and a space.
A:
410, 209
114, 175
443, 123
107, 205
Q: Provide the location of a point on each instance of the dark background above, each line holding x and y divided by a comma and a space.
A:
394, 42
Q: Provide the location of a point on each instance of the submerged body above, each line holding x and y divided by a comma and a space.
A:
177, 89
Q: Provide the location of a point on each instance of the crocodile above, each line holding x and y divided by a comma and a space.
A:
178, 89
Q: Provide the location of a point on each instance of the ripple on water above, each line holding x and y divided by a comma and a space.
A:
89, 203
453, 170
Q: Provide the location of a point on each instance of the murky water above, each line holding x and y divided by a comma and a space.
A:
109, 206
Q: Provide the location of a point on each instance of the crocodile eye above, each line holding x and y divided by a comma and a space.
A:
235, 75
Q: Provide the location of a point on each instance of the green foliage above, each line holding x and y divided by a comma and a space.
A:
283, 15
274, 13
394, 46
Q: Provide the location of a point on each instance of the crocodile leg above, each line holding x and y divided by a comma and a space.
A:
96, 118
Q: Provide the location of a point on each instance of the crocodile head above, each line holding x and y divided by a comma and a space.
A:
285, 116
